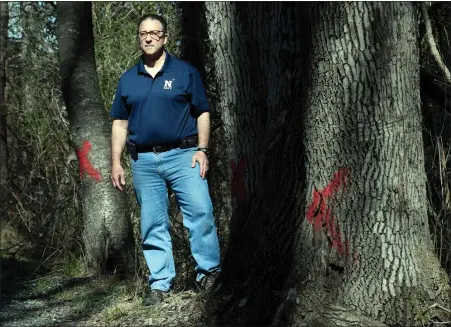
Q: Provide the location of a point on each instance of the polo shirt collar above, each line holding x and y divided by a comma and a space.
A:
166, 65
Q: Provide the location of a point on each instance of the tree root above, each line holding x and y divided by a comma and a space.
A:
337, 316
291, 314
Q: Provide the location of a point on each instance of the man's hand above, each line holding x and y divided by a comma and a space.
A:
202, 159
118, 176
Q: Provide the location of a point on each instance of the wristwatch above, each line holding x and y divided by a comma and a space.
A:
204, 150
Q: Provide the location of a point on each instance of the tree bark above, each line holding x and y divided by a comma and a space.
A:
107, 232
365, 249
358, 254
3, 134
195, 49
258, 55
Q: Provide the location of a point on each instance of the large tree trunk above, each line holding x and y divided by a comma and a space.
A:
360, 250
3, 143
258, 65
107, 233
365, 247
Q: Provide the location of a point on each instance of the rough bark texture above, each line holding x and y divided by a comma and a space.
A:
361, 246
107, 229
3, 143
365, 247
258, 67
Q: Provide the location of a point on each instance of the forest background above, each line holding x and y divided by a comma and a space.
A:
62, 244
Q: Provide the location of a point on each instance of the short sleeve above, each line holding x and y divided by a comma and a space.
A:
119, 109
199, 100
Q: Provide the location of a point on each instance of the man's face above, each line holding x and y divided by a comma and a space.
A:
151, 36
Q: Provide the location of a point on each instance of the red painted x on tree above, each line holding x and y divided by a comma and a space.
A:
238, 188
320, 215
84, 164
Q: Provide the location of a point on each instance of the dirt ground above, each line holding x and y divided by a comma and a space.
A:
33, 297
58, 300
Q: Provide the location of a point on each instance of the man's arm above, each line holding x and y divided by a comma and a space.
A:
118, 138
203, 128
200, 104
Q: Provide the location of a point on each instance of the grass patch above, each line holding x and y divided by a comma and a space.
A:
115, 313
72, 266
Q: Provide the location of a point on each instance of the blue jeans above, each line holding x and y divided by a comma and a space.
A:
151, 175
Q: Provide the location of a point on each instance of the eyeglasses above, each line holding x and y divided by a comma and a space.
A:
155, 35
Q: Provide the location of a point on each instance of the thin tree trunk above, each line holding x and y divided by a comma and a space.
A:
27, 57
107, 233
3, 134
27, 76
371, 262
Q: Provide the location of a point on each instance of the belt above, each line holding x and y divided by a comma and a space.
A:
156, 148
185, 143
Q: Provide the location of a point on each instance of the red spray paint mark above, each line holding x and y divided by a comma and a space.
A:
84, 164
238, 188
320, 216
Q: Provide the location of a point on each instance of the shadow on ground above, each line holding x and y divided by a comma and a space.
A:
33, 296
16, 276
20, 280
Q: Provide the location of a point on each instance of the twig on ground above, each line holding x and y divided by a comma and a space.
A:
434, 323
436, 305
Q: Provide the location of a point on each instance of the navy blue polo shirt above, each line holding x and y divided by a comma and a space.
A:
163, 109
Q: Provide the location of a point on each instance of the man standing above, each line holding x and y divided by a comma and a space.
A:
162, 105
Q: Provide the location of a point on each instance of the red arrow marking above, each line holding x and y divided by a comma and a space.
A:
84, 164
319, 213
238, 189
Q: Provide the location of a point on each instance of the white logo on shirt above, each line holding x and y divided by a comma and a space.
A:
168, 85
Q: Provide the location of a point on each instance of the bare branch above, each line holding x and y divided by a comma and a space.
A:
436, 305
432, 44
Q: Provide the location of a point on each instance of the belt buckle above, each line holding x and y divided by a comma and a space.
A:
154, 149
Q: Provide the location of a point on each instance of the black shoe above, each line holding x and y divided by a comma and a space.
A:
153, 297
207, 283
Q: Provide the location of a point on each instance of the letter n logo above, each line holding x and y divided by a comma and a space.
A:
168, 85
